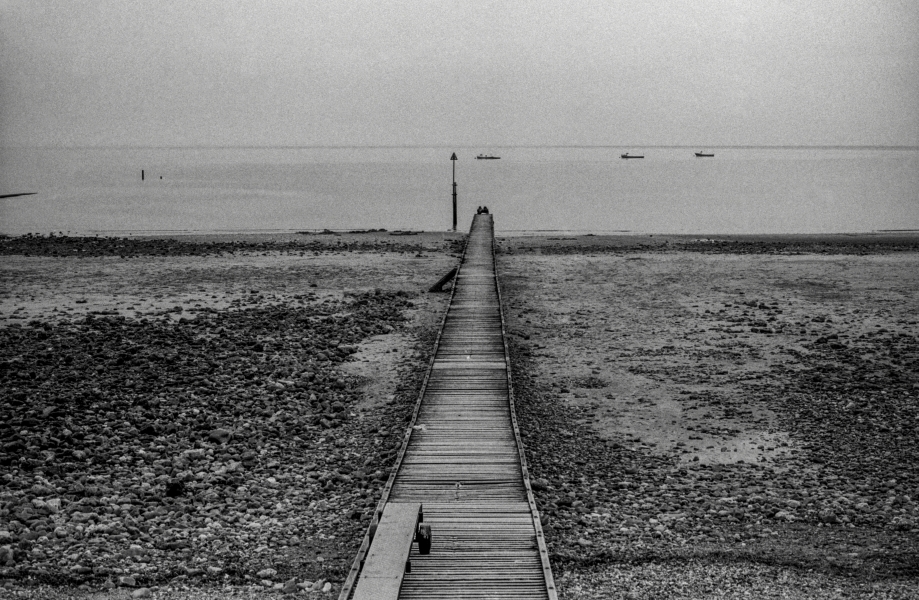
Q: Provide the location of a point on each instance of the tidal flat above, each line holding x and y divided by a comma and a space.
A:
705, 417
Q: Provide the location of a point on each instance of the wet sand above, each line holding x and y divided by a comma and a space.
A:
693, 406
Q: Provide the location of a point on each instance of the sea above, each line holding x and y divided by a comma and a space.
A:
739, 190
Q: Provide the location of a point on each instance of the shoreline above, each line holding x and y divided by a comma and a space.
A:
420, 241
512, 233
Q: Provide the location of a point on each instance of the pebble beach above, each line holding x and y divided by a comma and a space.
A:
215, 416
190, 414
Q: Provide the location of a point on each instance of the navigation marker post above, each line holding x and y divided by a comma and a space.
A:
453, 160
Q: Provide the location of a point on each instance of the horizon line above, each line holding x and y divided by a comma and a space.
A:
462, 146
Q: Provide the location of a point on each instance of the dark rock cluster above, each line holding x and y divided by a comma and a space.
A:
864, 244
65, 245
859, 246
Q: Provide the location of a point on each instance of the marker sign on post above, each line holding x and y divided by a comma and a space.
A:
453, 159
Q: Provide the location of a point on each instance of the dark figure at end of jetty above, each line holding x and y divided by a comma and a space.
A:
478, 211
483, 210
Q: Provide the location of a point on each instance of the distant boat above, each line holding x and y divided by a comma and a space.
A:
704, 154
627, 155
486, 157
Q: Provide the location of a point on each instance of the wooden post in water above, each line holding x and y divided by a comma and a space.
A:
141, 174
453, 160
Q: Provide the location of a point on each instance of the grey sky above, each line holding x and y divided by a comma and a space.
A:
470, 72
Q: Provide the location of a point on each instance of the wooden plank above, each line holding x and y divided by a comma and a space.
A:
384, 567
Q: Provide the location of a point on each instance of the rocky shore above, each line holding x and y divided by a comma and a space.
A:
790, 244
224, 439
703, 421
204, 245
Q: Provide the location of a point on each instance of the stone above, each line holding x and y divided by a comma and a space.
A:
175, 488
53, 505
539, 485
7, 556
290, 587
127, 581
41, 490
195, 454
220, 436
266, 573
83, 517
828, 516
141, 593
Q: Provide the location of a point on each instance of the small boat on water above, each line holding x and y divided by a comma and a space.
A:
704, 154
627, 155
487, 157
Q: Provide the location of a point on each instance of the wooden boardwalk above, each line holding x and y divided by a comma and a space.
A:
463, 458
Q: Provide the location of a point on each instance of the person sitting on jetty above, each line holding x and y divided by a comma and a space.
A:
478, 211
484, 210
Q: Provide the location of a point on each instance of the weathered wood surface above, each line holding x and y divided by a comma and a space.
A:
443, 281
384, 567
463, 461
463, 456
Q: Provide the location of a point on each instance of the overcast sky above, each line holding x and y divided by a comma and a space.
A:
464, 72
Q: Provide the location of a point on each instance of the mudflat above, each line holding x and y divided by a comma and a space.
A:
707, 417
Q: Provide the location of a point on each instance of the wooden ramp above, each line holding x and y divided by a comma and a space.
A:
463, 459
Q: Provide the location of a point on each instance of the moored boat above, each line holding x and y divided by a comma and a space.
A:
704, 154
627, 155
487, 157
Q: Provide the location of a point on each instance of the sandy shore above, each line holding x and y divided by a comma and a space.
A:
214, 417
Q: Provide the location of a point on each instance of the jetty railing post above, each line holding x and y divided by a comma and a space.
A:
453, 160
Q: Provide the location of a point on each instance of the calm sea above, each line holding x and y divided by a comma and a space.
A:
739, 190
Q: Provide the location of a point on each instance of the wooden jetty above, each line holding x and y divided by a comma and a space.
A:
463, 461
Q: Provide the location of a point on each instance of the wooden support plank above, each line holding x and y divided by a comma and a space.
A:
443, 281
385, 565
